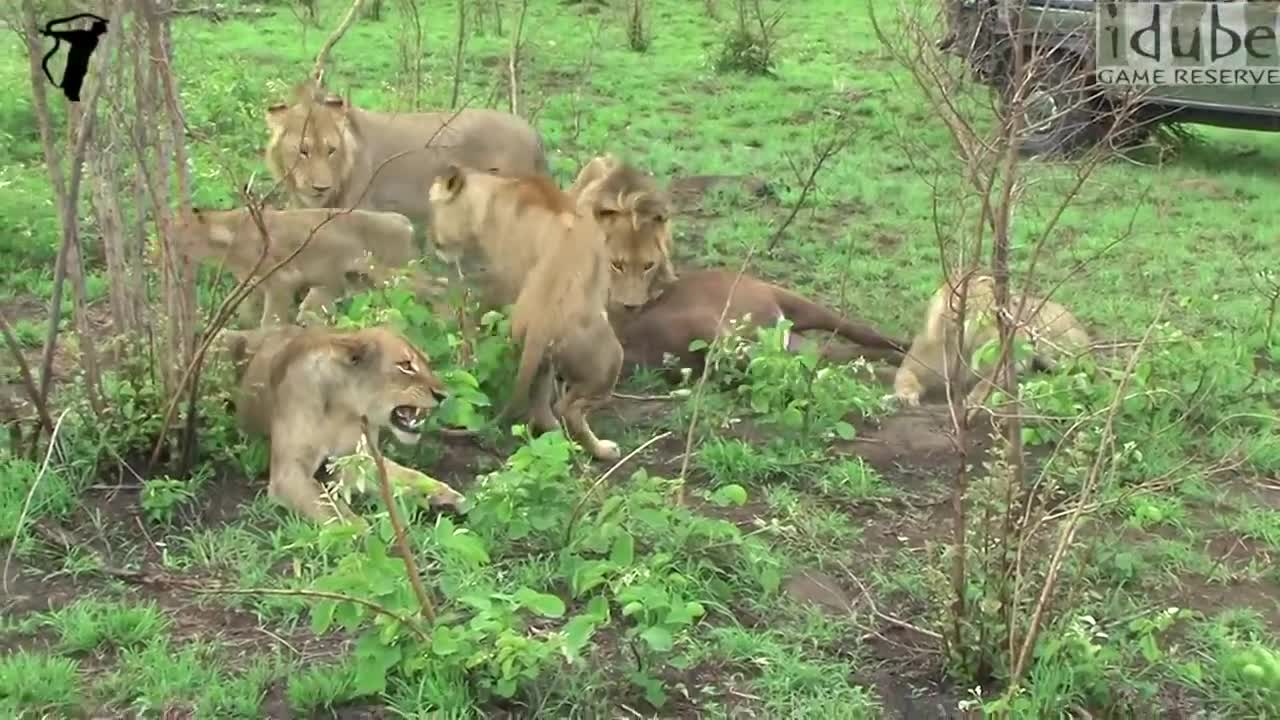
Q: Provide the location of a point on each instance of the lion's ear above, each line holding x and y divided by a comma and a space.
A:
356, 350
606, 206
275, 116
651, 206
454, 178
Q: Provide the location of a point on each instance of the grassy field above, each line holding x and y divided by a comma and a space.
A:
807, 575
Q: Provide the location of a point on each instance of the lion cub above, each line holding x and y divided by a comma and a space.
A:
548, 260
346, 245
935, 351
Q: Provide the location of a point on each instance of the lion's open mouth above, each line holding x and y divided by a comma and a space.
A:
408, 418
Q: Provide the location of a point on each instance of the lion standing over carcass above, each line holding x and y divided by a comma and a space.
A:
657, 314
307, 390
330, 154
548, 259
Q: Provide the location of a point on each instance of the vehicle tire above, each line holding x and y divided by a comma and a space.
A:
1062, 113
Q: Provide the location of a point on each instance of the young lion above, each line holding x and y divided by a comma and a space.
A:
936, 351
343, 246
635, 216
307, 389
657, 313
547, 259
330, 154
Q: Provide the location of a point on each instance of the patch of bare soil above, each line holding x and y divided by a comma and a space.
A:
688, 192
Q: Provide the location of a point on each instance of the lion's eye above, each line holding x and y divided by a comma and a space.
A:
406, 367
648, 266
303, 152
331, 149
617, 267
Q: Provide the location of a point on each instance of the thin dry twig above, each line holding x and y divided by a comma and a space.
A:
397, 526
317, 70
825, 151
26, 504
577, 508
320, 595
1069, 529
24, 372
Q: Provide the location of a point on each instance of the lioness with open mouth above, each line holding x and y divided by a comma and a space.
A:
307, 391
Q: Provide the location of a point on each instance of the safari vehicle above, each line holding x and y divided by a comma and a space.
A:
1065, 109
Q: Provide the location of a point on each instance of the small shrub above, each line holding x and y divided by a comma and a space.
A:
749, 46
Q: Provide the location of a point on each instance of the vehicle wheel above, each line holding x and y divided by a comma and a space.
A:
1061, 112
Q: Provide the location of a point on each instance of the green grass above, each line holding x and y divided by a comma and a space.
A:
124, 622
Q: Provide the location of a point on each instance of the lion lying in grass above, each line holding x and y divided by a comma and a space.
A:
343, 251
936, 351
307, 390
548, 260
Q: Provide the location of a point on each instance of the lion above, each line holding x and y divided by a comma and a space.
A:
650, 325
330, 154
936, 350
635, 215
690, 309
548, 259
345, 250
306, 390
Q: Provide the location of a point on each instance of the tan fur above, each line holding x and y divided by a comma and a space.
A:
343, 246
330, 154
936, 352
307, 389
549, 262
636, 217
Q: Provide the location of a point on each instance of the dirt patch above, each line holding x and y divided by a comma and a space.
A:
915, 436
688, 191
818, 588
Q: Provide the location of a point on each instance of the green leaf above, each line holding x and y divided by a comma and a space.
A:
770, 580
322, 616
467, 546
845, 431
658, 638
373, 660
542, 603
731, 494
348, 615
444, 641
587, 576
577, 633
624, 550
1150, 650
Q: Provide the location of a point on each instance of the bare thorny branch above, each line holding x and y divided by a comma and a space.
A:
824, 151
992, 169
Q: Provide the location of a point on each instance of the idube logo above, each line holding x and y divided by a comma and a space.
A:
1228, 42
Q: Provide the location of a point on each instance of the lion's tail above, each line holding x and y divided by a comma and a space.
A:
536, 340
805, 314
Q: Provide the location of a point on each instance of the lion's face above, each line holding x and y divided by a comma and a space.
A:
639, 254
635, 216
311, 148
404, 391
454, 207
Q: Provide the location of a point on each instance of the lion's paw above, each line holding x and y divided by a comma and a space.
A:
607, 450
908, 398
